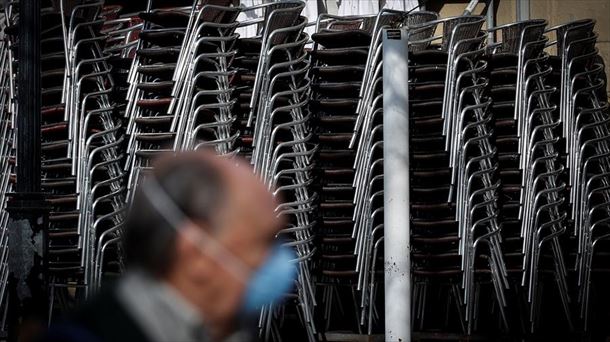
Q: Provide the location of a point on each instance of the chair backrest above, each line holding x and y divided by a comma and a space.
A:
572, 31
345, 25
582, 47
219, 14
384, 18
529, 30
460, 28
368, 24
419, 19
280, 14
282, 19
89, 11
533, 49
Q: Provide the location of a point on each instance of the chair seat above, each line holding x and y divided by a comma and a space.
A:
163, 38
342, 73
342, 39
154, 137
157, 105
342, 56
162, 55
164, 71
163, 88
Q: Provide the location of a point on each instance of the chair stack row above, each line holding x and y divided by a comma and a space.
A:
508, 144
80, 147
509, 154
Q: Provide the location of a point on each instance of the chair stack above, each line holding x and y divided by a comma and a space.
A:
338, 59
118, 39
455, 228
122, 32
534, 207
94, 148
7, 147
283, 153
81, 161
368, 182
271, 111
203, 94
150, 126
248, 60
65, 239
583, 107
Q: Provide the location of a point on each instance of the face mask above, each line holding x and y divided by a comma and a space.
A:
263, 286
274, 278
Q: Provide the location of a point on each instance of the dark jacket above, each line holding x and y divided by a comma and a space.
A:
103, 319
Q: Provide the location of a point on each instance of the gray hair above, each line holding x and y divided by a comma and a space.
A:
195, 187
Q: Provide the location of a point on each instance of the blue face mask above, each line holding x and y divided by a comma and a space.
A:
271, 280
264, 285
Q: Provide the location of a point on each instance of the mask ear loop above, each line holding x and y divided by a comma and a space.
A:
176, 218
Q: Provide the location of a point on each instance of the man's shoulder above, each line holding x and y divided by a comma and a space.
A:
101, 319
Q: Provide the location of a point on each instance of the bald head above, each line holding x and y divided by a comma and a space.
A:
220, 195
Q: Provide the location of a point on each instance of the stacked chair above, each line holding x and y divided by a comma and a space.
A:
203, 94
118, 36
534, 192
247, 62
281, 149
180, 95
583, 110
149, 124
455, 226
122, 37
338, 61
82, 159
7, 149
347, 74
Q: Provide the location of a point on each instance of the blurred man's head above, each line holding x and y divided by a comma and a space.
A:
202, 224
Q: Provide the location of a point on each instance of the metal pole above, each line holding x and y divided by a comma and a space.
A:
523, 10
491, 20
397, 264
27, 230
28, 118
470, 8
